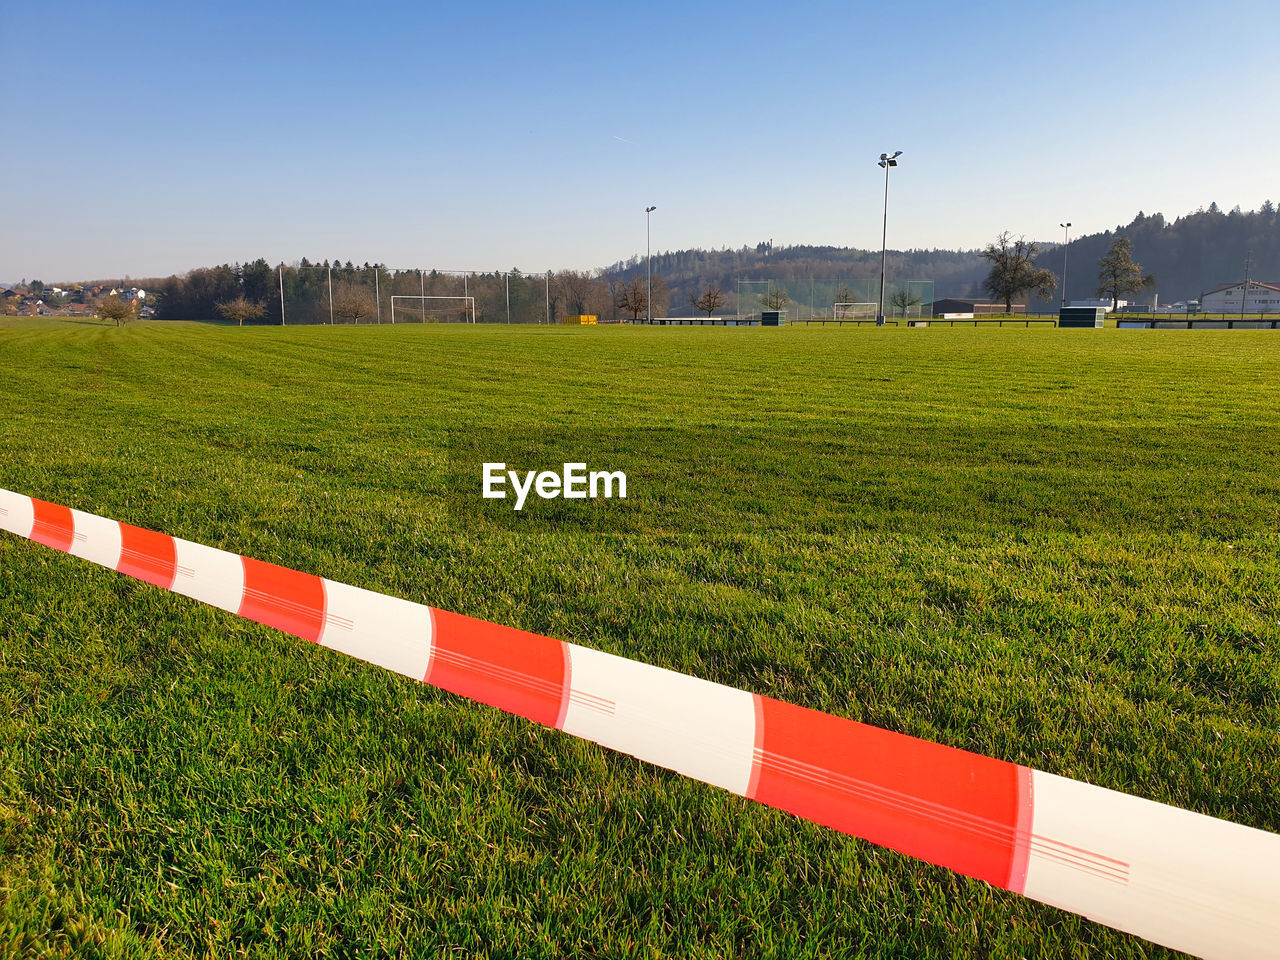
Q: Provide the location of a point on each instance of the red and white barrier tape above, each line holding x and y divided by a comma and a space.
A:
1182, 879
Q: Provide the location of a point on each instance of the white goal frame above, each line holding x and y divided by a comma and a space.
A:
835, 310
468, 302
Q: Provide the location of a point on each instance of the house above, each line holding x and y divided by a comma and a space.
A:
973, 307
1259, 298
1103, 302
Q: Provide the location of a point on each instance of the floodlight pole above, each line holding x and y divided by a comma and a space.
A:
422, 287
648, 256
377, 293
282, 294
1066, 232
548, 282
886, 161
507, 277
330, 295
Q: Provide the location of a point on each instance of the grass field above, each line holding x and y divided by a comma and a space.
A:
1059, 548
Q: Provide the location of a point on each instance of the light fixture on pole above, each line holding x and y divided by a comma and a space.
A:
648, 256
1066, 228
886, 161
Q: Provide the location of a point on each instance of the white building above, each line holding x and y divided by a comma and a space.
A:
1260, 298
1105, 303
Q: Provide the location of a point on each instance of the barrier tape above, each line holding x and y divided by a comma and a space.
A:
1188, 881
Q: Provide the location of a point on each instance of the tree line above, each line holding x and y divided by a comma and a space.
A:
1014, 272
332, 291
1191, 255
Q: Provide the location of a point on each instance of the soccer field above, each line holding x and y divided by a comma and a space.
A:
1059, 548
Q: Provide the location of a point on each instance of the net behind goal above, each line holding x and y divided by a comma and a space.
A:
415, 309
854, 311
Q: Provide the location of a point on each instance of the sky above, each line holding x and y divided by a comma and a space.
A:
148, 138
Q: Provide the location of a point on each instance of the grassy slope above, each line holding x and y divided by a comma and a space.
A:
1055, 547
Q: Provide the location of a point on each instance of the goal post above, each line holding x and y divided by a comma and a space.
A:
429, 309
854, 311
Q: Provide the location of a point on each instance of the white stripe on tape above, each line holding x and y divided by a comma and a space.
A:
386, 631
695, 727
211, 576
16, 513
96, 539
1206, 886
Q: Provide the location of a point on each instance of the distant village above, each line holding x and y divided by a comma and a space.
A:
36, 299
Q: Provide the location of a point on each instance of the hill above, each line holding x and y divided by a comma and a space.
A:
1187, 256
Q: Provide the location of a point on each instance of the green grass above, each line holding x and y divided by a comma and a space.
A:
1054, 547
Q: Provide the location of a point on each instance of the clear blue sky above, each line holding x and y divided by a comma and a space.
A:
147, 138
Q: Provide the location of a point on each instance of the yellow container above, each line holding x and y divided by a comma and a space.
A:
583, 318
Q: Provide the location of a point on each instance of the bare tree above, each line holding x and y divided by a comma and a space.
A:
615, 287
903, 300
352, 302
633, 297
776, 299
240, 309
1013, 270
576, 288
661, 306
115, 308
711, 300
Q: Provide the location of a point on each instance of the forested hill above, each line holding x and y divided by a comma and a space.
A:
688, 272
1187, 256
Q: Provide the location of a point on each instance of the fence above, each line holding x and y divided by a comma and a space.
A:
322, 294
814, 298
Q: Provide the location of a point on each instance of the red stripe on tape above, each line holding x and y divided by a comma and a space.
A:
53, 526
147, 555
1022, 836
522, 673
283, 598
947, 806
